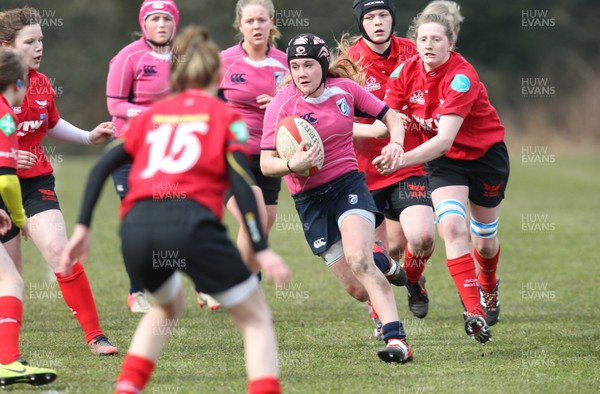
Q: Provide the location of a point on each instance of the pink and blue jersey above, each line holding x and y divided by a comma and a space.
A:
137, 77
245, 79
332, 115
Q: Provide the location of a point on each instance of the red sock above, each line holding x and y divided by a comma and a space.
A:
414, 265
462, 270
269, 385
11, 314
135, 373
487, 271
78, 295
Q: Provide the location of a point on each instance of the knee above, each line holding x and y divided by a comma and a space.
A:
424, 242
396, 249
358, 261
454, 229
486, 247
357, 292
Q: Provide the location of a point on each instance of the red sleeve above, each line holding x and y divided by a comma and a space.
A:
9, 143
133, 132
394, 93
460, 93
237, 134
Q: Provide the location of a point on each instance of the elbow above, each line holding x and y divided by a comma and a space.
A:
445, 146
266, 170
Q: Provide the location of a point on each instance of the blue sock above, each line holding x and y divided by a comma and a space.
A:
393, 330
381, 261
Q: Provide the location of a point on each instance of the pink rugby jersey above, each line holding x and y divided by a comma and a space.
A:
245, 79
332, 115
137, 77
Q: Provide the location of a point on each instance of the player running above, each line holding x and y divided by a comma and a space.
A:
37, 117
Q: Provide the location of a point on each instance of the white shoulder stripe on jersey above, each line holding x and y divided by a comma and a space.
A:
328, 93
268, 62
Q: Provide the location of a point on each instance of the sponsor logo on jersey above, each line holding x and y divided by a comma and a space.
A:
13, 154
417, 97
29, 126
240, 131
343, 106
7, 125
42, 103
372, 84
238, 78
319, 243
396, 72
278, 77
150, 70
309, 118
460, 83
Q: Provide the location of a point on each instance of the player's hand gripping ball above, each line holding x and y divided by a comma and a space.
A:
290, 132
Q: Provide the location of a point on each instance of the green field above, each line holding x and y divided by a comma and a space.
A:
548, 339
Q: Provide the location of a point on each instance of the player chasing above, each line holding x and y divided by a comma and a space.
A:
37, 117
403, 196
195, 141
467, 161
13, 369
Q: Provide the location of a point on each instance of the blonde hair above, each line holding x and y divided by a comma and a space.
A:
445, 8
13, 21
274, 33
422, 18
195, 60
12, 68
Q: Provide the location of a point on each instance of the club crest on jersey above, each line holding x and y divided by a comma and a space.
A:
460, 83
343, 106
372, 84
7, 125
352, 199
278, 77
417, 97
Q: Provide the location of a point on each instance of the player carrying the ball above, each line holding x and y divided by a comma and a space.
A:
335, 207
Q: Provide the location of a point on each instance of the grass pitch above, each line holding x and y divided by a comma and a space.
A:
547, 340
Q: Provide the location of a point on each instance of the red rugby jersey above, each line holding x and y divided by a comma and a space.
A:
36, 114
9, 144
378, 70
178, 147
452, 88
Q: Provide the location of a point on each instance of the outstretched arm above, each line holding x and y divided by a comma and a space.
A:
65, 131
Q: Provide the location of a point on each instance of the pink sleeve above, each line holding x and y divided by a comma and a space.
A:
119, 84
272, 116
366, 102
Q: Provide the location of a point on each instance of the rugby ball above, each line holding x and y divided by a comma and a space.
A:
291, 131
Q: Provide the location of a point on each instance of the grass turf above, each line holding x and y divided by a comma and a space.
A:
546, 341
